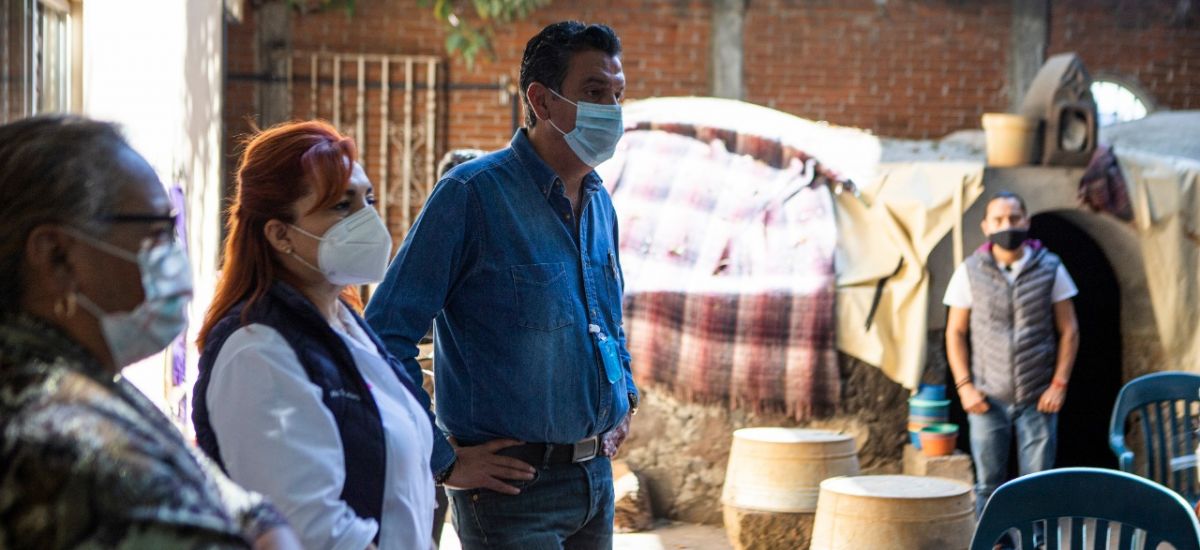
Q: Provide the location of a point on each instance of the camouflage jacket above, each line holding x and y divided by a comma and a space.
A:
86, 460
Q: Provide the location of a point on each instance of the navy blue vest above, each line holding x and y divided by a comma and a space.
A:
330, 365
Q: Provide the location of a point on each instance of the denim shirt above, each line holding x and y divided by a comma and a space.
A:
513, 285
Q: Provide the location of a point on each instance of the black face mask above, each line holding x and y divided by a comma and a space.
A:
1009, 239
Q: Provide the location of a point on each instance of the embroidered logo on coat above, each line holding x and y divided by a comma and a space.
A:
343, 394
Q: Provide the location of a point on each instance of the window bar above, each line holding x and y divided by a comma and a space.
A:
360, 125
384, 97
406, 198
290, 74
312, 87
337, 92
430, 126
5, 66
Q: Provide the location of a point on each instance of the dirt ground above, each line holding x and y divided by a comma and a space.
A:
665, 536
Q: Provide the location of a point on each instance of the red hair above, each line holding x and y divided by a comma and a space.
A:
279, 166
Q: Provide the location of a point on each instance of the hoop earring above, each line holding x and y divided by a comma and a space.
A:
65, 307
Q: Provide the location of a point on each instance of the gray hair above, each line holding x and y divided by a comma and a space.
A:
53, 169
456, 157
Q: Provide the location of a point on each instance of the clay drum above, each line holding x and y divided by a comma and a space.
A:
893, 511
773, 481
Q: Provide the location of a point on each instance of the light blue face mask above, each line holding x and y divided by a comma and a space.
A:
598, 128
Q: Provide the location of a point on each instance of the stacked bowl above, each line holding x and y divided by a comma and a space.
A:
929, 406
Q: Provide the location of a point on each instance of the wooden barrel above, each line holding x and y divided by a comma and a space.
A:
855, 513
773, 480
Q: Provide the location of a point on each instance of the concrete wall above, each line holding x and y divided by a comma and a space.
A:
154, 67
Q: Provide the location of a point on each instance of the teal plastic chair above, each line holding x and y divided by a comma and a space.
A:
1168, 404
1101, 503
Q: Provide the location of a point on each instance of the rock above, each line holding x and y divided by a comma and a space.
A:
956, 466
759, 530
632, 510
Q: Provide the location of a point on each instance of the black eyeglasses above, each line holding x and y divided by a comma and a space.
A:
172, 218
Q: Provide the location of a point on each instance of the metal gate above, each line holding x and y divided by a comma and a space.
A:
390, 105
18, 58
38, 61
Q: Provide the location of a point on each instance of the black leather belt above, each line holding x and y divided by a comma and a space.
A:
550, 454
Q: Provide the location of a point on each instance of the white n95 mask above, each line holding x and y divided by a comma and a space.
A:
598, 128
354, 251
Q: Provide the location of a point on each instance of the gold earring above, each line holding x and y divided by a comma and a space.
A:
65, 307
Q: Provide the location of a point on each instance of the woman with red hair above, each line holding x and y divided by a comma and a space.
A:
297, 398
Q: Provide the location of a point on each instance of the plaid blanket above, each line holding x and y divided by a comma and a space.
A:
729, 278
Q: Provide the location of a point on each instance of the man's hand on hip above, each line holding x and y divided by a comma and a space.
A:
1052, 399
611, 442
480, 467
973, 400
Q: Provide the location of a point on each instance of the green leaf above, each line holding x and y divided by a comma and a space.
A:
443, 9
474, 29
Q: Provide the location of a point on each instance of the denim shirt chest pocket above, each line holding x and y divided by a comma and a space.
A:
543, 296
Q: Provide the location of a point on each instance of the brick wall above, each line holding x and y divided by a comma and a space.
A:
1136, 41
901, 68
898, 68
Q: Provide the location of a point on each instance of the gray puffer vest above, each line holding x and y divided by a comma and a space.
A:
1013, 342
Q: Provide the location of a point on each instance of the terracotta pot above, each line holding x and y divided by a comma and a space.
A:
938, 439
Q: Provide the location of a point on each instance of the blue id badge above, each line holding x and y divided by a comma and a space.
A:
608, 353
612, 359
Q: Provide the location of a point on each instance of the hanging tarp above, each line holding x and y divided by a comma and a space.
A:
1166, 212
885, 237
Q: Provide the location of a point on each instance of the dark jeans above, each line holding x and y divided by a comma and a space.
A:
991, 435
568, 506
439, 514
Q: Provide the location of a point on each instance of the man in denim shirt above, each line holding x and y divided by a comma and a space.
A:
514, 258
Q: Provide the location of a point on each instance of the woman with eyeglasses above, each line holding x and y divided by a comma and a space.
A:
297, 397
93, 281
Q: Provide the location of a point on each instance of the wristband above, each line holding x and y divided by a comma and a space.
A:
1056, 383
958, 384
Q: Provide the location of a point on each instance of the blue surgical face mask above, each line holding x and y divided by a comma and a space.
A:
162, 316
598, 128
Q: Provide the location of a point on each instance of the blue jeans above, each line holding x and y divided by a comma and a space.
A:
991, 434
567, 506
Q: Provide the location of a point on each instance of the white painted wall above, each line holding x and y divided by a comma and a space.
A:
154, 66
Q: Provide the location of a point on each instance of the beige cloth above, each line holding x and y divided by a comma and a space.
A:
1166, 205
905, 213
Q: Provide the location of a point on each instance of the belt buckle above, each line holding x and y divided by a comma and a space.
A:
585, 450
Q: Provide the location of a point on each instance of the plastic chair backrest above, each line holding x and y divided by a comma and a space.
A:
1169, 405
1101, 503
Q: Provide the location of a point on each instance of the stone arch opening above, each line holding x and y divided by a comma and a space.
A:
1097, 378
